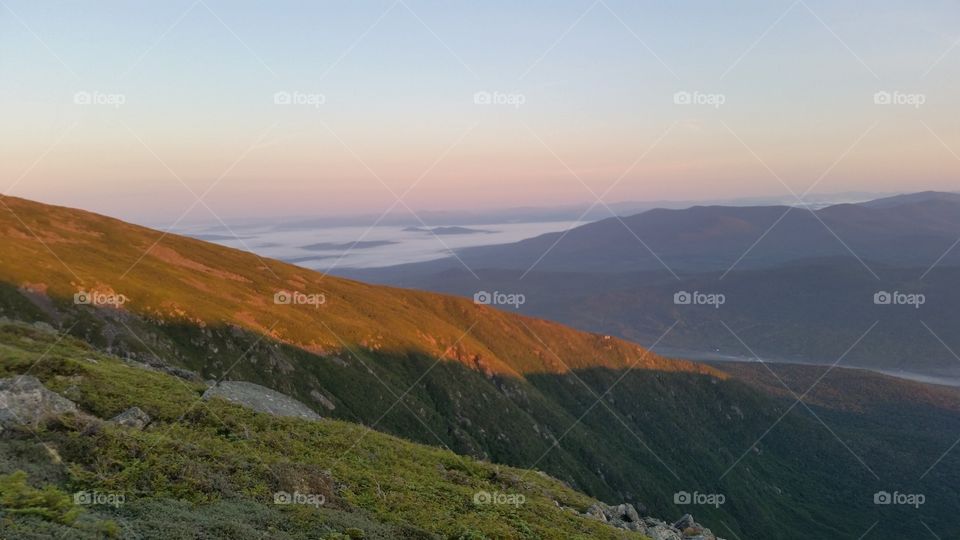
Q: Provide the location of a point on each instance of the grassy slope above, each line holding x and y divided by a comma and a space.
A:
186, 280
221, 458
807, 311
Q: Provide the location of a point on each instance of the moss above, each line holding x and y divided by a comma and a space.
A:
50, 503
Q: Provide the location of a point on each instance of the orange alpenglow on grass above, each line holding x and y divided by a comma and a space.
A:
59, 252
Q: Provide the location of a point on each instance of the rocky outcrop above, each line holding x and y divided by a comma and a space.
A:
260, 399
625, 516
622, 516
133, 418
25, 401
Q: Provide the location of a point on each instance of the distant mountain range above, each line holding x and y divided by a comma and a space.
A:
799, 284
605, 416
913, 230
523, 214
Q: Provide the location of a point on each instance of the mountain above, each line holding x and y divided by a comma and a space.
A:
798, 295
916, 231
604, 416
913, 198
529, 214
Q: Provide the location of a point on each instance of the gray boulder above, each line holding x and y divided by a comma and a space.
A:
625, 516
25, 401
658, 530
260, 399
133, 418
622, 516
685, 522
691, 530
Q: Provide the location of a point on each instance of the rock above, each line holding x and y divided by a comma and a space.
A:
708, 535
691, 530
323, 400
45, 327
685, 522
260, 399
596, 512
25, 401
133, 418
623, 516
663, 532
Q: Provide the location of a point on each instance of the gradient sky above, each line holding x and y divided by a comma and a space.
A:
597, 78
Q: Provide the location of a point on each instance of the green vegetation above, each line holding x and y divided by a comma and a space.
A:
17, 497
211, 454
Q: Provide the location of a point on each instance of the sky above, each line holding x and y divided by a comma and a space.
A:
186, 110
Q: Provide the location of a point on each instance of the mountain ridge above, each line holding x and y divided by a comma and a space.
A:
915, 230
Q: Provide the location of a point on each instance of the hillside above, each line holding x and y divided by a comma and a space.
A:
53, 253
598, 413
205, 469
809, 311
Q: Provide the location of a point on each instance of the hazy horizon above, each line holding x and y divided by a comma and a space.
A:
481, 107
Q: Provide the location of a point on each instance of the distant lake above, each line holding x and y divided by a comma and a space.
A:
322, 248
945, 379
